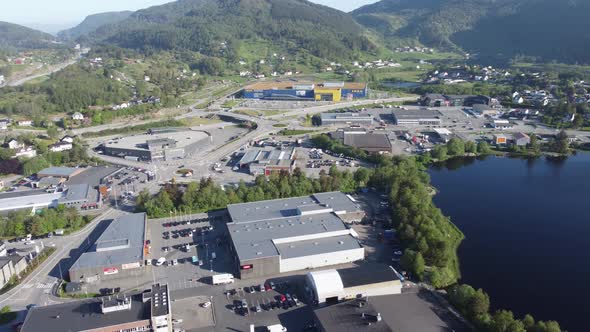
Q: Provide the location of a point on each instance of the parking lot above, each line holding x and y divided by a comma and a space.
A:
189, 249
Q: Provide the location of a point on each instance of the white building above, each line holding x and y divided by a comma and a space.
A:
14, 144
25, 123
60, 147
367, 280
68, 139
78, 116
28, 152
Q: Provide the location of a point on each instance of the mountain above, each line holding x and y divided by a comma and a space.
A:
547, 29
93, 22
215, 27
18, 37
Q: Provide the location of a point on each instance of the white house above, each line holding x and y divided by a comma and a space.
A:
14, 144
25, 123
67, 139
28, 152
78, 116
4, 124
60, 146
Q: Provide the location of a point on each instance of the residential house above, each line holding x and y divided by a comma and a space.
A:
68, 139
521, 139
25, 123
2, 79
4, 124
14, 144
500, 139
78, 116
60, 146
28, 152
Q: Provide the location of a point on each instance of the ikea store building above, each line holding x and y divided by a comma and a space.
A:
327, 91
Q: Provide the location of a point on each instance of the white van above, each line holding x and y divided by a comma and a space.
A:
220, 279
160, 261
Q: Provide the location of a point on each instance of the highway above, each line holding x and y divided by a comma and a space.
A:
37, 287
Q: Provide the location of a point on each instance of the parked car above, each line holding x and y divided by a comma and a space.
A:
206, 304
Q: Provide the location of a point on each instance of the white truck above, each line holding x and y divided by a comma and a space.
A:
221, 279
276, 328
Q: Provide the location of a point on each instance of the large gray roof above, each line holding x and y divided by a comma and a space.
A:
82, 316
121, 243
407, 312
77, 192
317, 246
255, 240
59, 171
415, 114
368, 141
287, 207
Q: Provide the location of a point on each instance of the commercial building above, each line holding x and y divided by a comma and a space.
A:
283, 235
360, 138
521, 139
174, 144
439, 100
416, 118
118, 252
147, 311
265, 161
327, 91
408, 312
30, 199
444, 134
500, 139
348, 118
333, 286
60, 172
11, 266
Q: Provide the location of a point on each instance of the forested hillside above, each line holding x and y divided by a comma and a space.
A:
547, 29
93, 22
216, 28
18, 37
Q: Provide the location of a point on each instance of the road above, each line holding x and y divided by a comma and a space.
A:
49, 71
37, 287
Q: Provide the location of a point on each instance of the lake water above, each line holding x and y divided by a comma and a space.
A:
527, 229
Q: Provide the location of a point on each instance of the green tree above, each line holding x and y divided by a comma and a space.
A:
503, 321
456, 147
34, 165
561, 144
534, 144
483, 148
52, 132
439, 152
470, 147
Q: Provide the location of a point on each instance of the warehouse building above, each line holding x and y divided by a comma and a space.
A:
327, 91
346, 119
333, 286
60, 172
147, 311
164, 146
407, 312
416, 118
267, 162
361, 139
119, 251
284, 235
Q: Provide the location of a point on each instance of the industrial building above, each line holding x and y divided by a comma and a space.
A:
156, 146
60, 172
266, 162
417, 118
333, 286
118, 252
147, 311
348, 118
293, 90
438, 100
283, 235
407, 312
361, 139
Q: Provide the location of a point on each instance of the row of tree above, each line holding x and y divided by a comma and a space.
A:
475, 306
21, 223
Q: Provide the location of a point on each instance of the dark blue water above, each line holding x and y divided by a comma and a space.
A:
527, 228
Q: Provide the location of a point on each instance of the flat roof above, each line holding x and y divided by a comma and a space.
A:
442, 131
254, 240
262, 155
287, 207
317, 246
366, 274
401, 114
346, 116
26, 199
93, 175
108, 250
288, 85
368, 141
83, 315
406, 312
60, 171
160, 300
140, 142
77, 192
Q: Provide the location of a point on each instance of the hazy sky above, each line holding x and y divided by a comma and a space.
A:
45, 13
